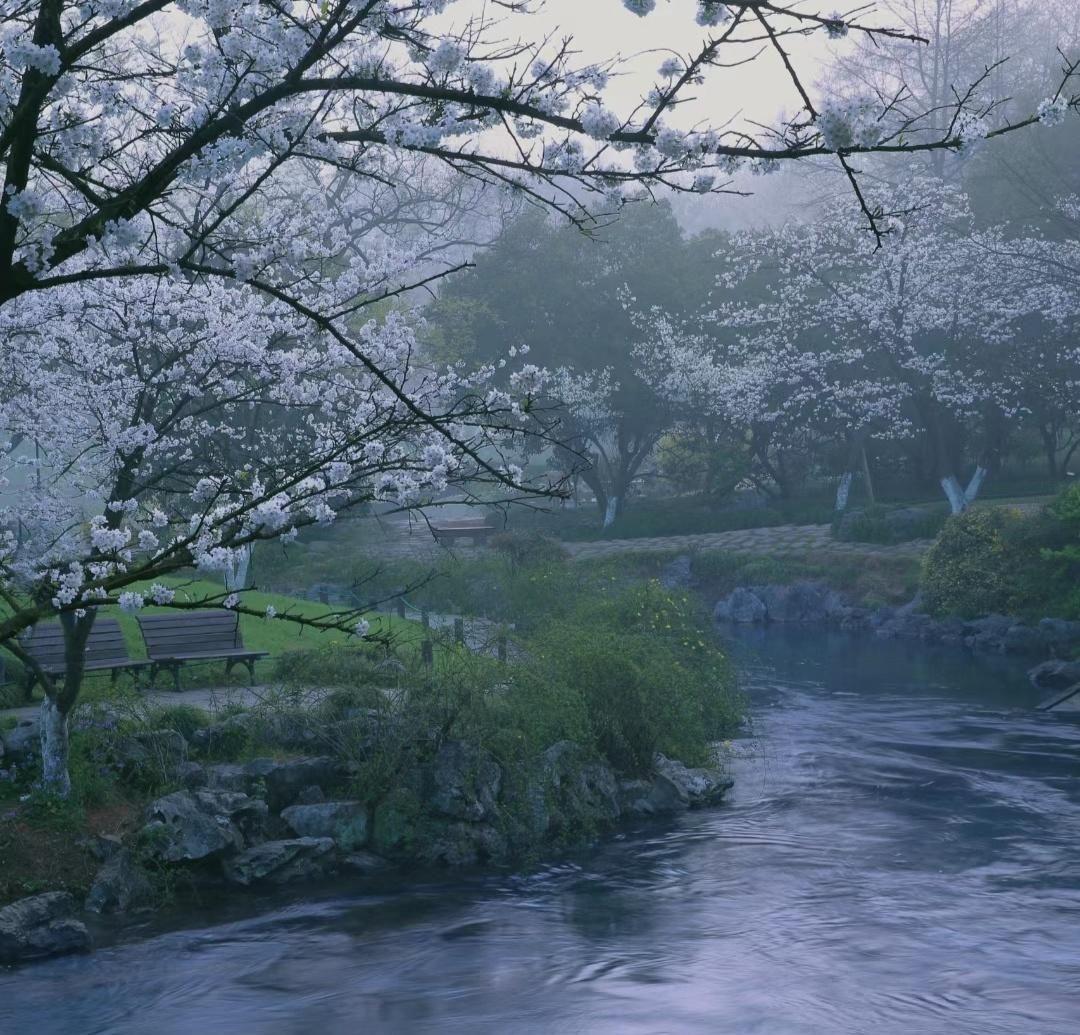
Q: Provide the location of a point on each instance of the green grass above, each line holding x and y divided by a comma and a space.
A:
276, 636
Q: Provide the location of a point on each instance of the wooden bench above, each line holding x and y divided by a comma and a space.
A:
105, 649
463, 528
181, 636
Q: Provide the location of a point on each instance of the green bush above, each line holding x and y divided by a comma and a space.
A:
331, 664
970, 569
888, 525
994, 559
184, 718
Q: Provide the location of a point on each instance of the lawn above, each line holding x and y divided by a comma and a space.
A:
274, 635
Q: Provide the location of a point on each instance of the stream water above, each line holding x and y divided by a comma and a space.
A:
901, 854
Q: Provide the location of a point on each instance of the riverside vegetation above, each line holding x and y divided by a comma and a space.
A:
362, 758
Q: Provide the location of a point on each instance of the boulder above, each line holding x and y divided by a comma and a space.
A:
652, 797
464, 782
345, 822
159, 750
803, 601
570, 792
191, 826
988, 634
190, 775
742, 606
22, 744
101, 846
226, 776
1023, 639
459, 843
364, 863
696, 787
120, 886
1055, 675
284, 782
282, 862
41, 926
1058, 634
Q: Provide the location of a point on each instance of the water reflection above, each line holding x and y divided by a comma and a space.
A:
899, 856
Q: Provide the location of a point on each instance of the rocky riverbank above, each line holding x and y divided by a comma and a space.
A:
293, 816
816, 602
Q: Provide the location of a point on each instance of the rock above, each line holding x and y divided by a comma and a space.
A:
190, 775
227, 776
282, 862
987, 634
364, 863
1023, 639
462, 844
650, 797
571, 792
120, 886
396, 823
22, 744
800, 602
1059, 634
1055, 675
101, 846
345, 822
741, 606
676, 573
310, 795
190, 826
285, 781
697, 787
159, 750
41, 926
464, 782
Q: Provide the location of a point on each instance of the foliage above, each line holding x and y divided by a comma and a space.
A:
887, 525
970, 570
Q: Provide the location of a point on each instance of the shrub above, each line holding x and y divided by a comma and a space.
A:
184, 718
970, 570
887, 525
528, 549
331, 665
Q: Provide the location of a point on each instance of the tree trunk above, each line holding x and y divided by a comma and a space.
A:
59, 700
870, 498
959, 498
954, 494
843, 491
611, 511
54, 749
236, 576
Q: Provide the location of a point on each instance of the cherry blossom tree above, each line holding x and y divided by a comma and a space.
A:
927, 336
168, 258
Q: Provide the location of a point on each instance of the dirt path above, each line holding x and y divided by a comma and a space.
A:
210, 698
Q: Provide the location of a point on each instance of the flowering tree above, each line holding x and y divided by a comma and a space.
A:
927, 336
168, 258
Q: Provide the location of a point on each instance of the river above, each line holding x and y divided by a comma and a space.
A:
901, 854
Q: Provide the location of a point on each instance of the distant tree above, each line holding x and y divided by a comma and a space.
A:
562, 295
927, 337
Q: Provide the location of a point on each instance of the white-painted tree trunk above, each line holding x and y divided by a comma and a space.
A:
236, 576
954, 494
972, 491
960, 498
609, 513
54, 749
843, 491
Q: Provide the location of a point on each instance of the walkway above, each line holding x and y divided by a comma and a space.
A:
779, 539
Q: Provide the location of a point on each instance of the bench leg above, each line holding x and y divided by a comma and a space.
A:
251, 671
176, 677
